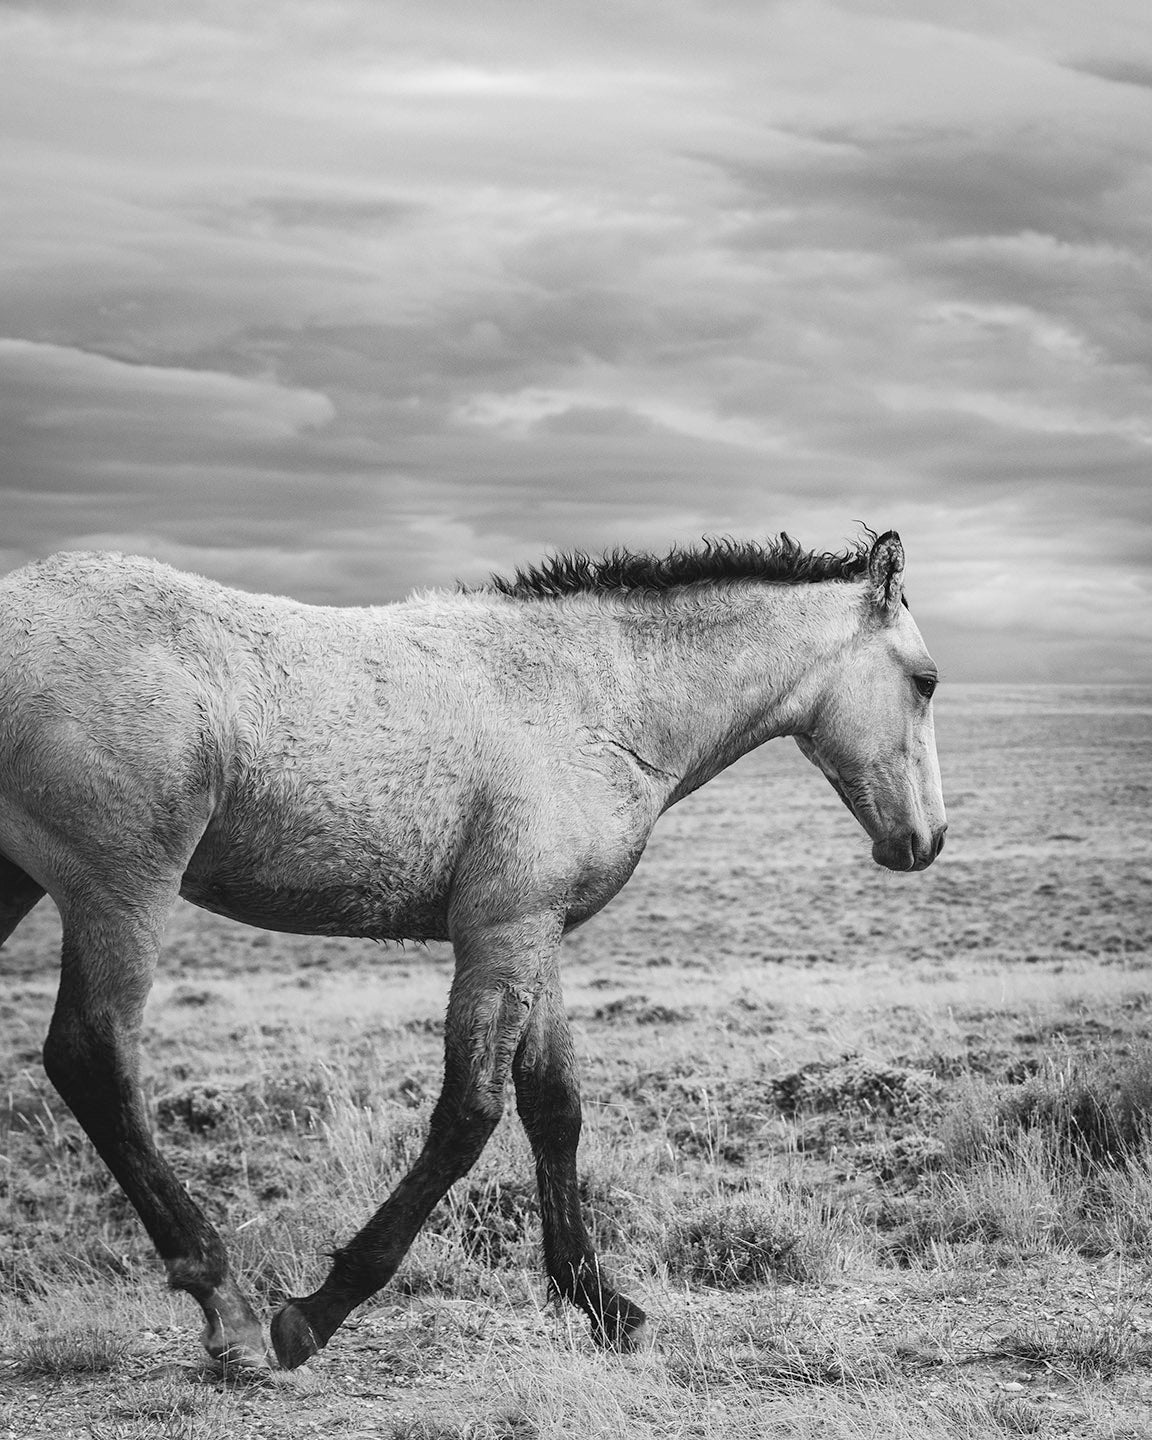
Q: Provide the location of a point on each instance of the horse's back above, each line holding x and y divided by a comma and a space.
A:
300, 767
109, 638
344, 771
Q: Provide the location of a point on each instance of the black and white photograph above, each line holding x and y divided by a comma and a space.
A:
575, 720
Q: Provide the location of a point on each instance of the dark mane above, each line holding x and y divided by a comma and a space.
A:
780, 560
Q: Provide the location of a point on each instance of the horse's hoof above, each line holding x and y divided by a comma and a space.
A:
232, 1334
235, 1354
637, 1340
626, 1332
293, 1338
243, 1360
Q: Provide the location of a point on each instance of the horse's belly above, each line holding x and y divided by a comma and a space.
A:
314, 871
309, 908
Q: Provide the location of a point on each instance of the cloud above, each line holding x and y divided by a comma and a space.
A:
1121, 71
157, 408
345, 301
581, 411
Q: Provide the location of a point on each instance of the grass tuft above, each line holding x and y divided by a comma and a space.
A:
1100, 1348
741, 1240
1016, 1417
70, 1351
514, 1424
1061, 1159
1094, 1109
854, 1085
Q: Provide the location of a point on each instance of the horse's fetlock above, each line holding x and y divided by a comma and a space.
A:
578, 1280
359, 1269
293, 1338
620, 1325
198, 1275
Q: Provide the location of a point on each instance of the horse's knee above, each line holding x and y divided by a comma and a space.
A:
482, 1110
484, 1031
203, 1271
465, 1121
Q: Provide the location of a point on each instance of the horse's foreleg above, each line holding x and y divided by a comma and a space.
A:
92, 1055
497, 979
548, 1099
18, 893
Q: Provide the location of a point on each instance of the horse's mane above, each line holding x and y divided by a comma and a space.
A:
780, 560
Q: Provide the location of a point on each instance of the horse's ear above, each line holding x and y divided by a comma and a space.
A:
886, 572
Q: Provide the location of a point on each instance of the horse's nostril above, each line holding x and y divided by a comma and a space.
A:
939, 842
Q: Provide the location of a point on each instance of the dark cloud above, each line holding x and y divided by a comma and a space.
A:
321, 211
904, 186
1121, 70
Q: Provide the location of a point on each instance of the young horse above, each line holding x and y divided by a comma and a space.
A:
484, 767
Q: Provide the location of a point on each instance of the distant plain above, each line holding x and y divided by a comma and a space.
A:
872, 1149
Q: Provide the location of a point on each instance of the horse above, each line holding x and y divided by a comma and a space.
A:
482, 765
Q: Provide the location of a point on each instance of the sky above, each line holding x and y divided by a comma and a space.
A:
341, 300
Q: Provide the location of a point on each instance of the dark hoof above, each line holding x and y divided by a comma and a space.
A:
626, 1330
293, 1338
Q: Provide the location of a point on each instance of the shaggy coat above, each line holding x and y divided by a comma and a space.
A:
482, 766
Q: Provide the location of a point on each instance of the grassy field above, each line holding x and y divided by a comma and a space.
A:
872, 1150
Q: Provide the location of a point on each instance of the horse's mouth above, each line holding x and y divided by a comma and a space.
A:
903, 853
895, 855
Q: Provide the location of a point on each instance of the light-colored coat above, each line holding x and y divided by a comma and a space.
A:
472, 766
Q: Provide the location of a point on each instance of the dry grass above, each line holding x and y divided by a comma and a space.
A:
853, 1247
84, 1348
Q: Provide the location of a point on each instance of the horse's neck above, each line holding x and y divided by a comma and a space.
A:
713, 680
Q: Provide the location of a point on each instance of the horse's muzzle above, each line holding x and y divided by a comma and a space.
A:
909, 851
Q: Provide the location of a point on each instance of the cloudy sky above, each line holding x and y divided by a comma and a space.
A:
344, 298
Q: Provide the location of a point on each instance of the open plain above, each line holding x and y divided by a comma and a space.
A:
873, 1150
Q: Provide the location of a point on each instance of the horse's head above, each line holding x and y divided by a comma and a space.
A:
871, 728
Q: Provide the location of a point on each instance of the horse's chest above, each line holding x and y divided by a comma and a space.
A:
610, 855
599, 884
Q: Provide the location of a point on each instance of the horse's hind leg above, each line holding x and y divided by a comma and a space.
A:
92, 1055
18, 893
548, 1099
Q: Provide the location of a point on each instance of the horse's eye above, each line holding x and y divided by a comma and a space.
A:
926, 684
